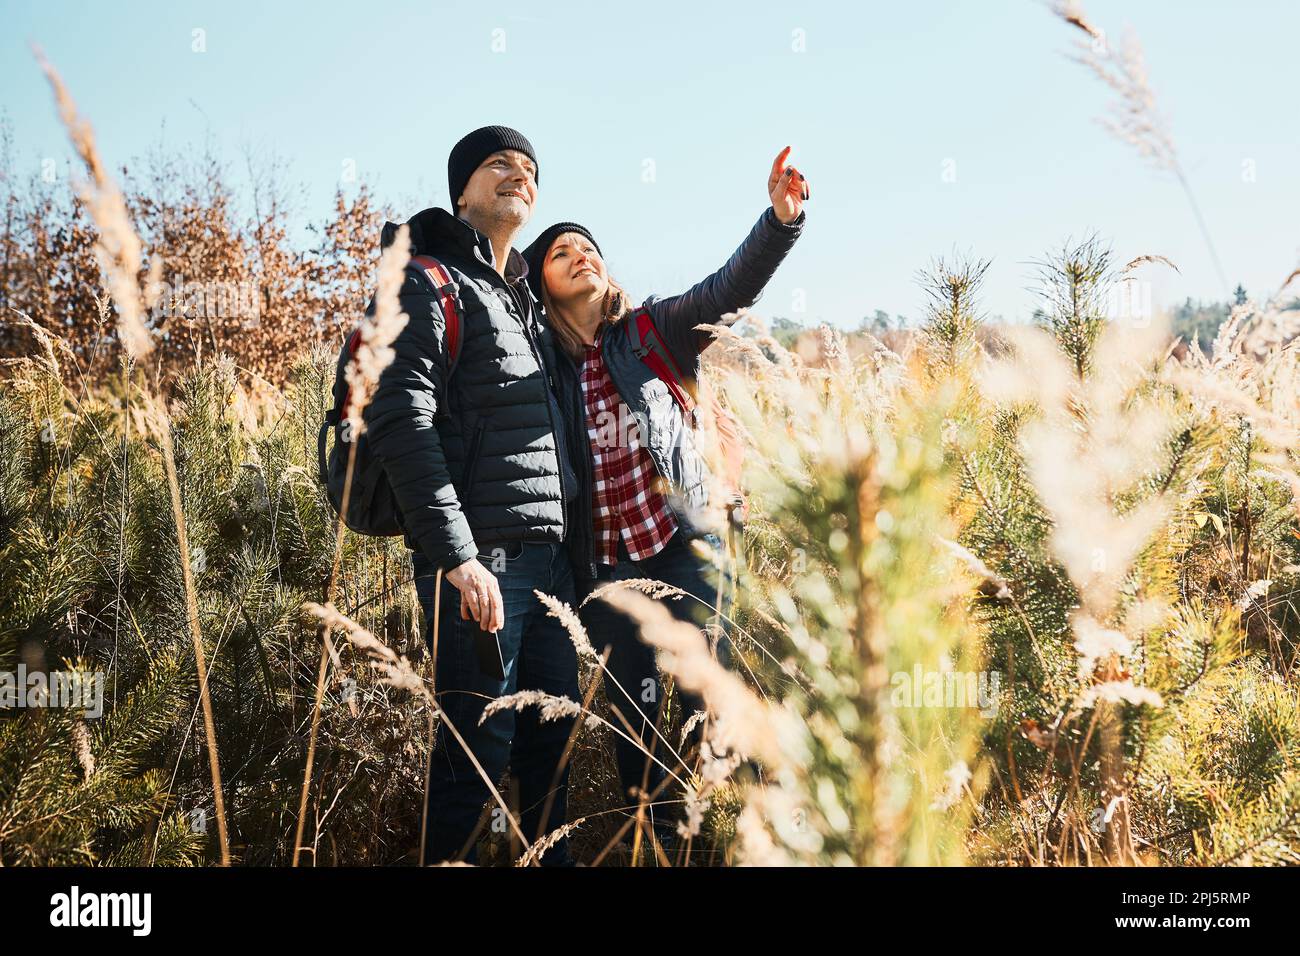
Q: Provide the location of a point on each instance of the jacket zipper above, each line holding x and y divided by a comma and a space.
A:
548, 382
524, 315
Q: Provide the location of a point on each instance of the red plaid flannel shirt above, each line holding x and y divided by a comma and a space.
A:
627, 499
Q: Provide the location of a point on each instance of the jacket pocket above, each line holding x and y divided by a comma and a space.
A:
472, 455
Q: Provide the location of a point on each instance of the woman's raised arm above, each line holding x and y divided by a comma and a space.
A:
738, 284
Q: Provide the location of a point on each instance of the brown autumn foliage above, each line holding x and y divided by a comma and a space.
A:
233, 279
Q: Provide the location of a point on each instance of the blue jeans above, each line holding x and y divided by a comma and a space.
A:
632, 663
537, 655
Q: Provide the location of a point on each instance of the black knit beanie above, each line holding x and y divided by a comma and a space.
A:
478, 146
535, 254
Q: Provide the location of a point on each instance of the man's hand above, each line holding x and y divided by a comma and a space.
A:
480, 595
787, 189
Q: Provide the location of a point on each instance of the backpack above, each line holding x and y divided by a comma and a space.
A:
372, 508
650, 348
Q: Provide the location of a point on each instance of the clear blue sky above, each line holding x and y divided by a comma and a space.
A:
883, 94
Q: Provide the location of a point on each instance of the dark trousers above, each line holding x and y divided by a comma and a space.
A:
632, 663
538, 655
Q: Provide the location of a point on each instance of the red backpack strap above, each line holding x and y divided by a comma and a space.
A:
651, 349
337, 416
436, 274
445, 288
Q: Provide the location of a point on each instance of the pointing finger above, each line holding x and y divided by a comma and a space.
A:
778, 165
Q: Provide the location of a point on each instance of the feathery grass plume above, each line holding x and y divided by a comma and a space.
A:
1142, 260
117, 247
717, 765
1228, 338
742, 721
1134, 116
1287, 281
691, 723
81, 740
762, 336
571, 622
696, 806
1250, 382
1071, 11
1257, 331
650, 587
733, 351
550, 706
833, 353
396, 669
759, 847
1117, 691
660, 591
50, 344
374, 352
1230, 393
535, 852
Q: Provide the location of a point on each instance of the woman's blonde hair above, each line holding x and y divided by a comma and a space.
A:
613, 309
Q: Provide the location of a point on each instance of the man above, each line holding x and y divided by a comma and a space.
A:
480, 471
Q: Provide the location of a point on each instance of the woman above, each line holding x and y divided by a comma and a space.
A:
645, 480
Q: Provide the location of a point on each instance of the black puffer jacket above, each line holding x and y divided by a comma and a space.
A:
473, 458
671, 439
